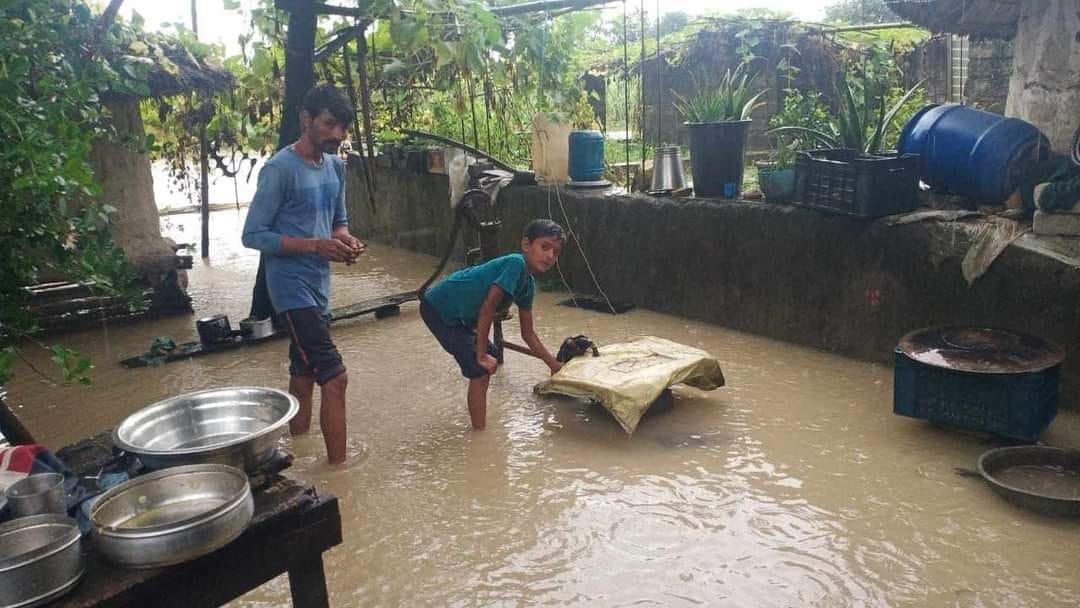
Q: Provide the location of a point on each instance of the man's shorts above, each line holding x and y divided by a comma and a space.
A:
311, 351
458, 340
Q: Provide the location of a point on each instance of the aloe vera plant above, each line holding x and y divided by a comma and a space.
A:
732, 99
855, 125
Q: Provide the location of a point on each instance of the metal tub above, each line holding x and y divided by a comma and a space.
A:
40, 559
237, 426
172, 516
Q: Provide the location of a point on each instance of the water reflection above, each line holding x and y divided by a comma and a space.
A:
792, 486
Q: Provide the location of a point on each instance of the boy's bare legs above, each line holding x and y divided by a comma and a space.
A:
301, 387
332, 417
331, 412
478, 388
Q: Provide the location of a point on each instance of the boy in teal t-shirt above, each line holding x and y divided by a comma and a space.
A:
459, 310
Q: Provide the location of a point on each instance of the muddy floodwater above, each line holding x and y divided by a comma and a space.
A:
794, 485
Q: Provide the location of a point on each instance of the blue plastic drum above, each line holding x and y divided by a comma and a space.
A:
586, 156
977, 154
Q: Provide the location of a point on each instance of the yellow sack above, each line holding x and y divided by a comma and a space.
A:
627, 378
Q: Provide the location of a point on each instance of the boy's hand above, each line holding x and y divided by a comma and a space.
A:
489, 363
555, 367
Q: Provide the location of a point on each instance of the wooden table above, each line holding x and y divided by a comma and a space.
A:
292, 526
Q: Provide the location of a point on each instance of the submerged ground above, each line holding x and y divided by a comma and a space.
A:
793, 486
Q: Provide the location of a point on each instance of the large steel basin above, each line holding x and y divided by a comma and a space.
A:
172, 516
40, 559
237, 426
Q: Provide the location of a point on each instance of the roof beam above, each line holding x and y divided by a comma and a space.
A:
322, 8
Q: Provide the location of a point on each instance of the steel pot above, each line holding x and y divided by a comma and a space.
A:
256, 329
40, 559
172, 516
214, 330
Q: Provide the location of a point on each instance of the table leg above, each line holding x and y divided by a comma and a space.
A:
307, 583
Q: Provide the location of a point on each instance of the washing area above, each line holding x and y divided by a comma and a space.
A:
794, 484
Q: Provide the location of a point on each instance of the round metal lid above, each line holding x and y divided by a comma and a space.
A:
981, 350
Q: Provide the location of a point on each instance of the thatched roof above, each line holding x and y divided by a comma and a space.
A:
189, 74
976, 18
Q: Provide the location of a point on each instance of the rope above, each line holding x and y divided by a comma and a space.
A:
581, 250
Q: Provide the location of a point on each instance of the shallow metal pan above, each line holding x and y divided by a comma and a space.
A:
172, 516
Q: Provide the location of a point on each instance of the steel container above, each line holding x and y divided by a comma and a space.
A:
40, 559
172, 516
237, 426
256, 329
37, 495
668, 170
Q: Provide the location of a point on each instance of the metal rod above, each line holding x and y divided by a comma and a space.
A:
519, 349
641, 93
626, 96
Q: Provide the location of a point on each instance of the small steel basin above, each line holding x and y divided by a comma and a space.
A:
40, 559
237, 426
172, 516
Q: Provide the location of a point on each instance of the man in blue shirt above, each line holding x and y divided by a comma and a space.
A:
297, 220
459, 310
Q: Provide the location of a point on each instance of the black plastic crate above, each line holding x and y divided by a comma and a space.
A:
1019, 406
844, 181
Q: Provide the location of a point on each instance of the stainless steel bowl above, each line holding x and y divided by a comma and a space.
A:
172, 516
237, 426
40, 559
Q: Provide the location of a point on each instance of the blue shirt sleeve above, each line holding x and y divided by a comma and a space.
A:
509, 276
340, 215
259, 226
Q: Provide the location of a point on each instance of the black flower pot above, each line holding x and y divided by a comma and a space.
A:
716, 156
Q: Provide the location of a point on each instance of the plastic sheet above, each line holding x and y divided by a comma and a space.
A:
628, 377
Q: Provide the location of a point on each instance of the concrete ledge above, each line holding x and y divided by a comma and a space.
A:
844, 285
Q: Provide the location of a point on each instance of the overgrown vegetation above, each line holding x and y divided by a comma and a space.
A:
53, 74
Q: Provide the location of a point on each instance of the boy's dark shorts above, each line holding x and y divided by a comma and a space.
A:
311, 351
458, 340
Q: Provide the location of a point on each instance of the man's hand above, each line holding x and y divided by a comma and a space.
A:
555, 366
489, 363
355, 245
335, 250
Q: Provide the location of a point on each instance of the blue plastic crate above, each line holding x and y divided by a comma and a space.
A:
1019, 406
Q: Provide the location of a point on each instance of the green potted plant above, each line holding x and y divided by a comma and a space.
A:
850, 173
776, 177
718, 121
860, 123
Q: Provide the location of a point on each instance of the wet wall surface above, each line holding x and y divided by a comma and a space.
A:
827, 281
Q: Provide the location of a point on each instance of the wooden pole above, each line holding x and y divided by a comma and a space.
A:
204, 162
10, 426
299, 68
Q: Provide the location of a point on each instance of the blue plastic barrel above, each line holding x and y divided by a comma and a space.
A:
977, 154
586, 156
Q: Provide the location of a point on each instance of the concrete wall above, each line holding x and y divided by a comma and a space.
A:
1045, 85
826, 281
